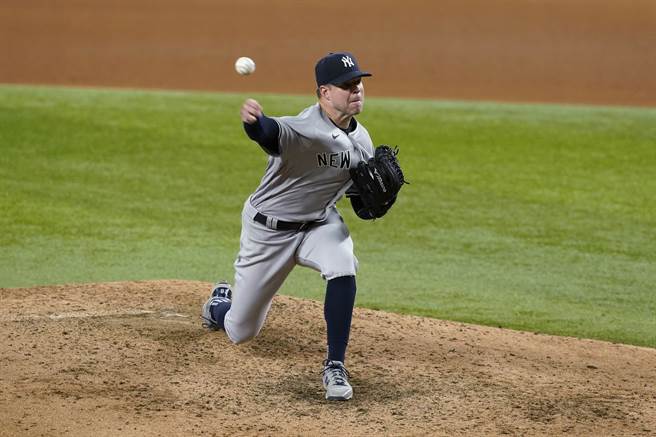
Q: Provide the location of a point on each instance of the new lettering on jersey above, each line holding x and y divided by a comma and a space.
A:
337, 160
314, 162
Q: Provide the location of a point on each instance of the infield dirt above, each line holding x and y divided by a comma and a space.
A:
132, 358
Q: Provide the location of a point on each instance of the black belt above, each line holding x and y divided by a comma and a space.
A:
280, 225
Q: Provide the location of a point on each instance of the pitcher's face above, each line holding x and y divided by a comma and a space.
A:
347, 97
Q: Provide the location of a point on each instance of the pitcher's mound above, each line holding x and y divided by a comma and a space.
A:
132, 359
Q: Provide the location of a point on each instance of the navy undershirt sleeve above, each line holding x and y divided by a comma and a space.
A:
265, 131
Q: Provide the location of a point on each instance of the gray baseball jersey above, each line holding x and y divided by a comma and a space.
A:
300, 184
312, 171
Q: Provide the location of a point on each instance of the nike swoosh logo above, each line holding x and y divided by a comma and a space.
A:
335, 136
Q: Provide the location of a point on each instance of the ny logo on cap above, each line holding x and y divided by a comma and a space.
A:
348, 62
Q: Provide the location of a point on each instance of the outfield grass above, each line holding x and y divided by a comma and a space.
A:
524, 216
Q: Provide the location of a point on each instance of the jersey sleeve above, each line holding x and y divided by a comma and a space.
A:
287, 136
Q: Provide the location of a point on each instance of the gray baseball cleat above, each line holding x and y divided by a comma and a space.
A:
335, 381
220, 293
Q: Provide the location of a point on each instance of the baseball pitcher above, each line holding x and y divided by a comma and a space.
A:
315, 158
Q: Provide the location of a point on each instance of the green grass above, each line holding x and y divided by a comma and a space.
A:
524, 216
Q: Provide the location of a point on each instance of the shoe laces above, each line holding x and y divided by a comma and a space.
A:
335, 372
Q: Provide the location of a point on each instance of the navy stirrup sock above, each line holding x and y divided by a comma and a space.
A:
219, 311
337, 310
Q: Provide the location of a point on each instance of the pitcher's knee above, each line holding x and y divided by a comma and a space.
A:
242, 335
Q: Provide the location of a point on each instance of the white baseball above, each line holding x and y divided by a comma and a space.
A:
245, 66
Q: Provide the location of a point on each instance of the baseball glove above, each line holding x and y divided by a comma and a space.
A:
378, 181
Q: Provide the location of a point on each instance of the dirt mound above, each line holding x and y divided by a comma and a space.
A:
131, 358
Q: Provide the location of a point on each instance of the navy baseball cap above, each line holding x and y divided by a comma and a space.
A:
336, 68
